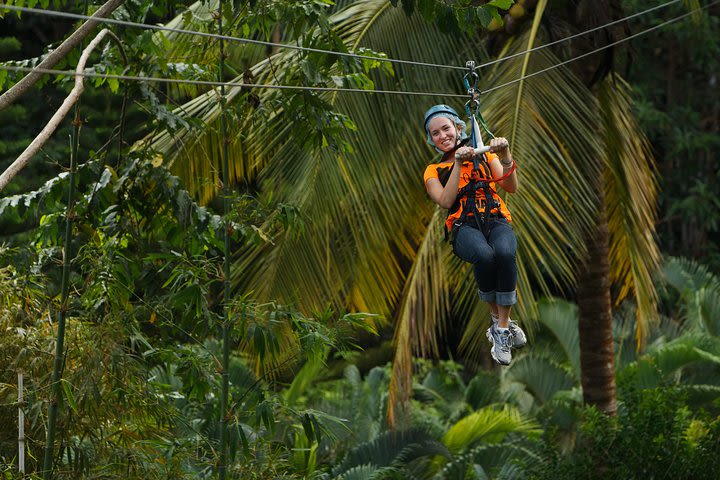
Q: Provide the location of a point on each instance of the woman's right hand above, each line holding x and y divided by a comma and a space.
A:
464, 153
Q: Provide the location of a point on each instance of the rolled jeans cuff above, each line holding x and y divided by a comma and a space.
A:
506, 298
487, 296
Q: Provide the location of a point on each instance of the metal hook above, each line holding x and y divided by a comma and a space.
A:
471, 74
473, 105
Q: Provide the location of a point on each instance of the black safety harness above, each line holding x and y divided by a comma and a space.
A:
467, 197
481, 175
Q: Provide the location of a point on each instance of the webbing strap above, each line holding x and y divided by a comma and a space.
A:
483, 184
467, 196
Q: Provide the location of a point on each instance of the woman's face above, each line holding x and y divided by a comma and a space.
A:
443, 133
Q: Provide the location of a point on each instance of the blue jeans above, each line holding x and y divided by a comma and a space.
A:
493, 259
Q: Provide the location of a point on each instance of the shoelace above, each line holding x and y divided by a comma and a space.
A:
505, 340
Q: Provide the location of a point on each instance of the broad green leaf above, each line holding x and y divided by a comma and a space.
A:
484, 15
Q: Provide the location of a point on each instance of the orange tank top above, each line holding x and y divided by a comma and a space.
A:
442, 170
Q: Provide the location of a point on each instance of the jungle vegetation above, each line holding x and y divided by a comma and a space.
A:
245, 281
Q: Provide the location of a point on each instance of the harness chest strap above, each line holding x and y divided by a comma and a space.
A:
468, 194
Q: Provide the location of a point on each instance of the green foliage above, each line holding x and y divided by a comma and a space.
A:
8, 45
146, 282
489, 425
701, 205
464, 14
482, 390
101, 109
696, 290
141, 377
441, 422
674, 100
654, 435
390, 449
554, 377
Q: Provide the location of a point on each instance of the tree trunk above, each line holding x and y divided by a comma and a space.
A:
597, 356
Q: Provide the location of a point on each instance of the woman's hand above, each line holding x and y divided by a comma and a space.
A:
463, 154
501, 147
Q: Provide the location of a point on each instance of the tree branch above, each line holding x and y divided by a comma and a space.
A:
17, 90
58, 117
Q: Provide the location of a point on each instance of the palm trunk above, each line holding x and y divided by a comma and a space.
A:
597, 356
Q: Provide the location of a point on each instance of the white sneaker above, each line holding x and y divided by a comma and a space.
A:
519, 338
501, 340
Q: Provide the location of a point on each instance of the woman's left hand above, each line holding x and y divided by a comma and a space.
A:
501, 147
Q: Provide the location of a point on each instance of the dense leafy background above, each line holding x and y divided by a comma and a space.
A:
140, 388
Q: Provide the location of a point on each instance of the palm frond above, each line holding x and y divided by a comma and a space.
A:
699, 291
489, 458
361, 403
392, 448
182, 48
483, 390
631, 195
425, 301
304, 378
701, 395
561, 318
706, 310
687, 274
531, 37
651, 369
489, 425
540, 376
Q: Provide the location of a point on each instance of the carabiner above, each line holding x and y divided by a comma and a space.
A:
471, 75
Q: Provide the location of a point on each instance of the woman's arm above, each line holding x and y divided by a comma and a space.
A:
445, 196
503, 164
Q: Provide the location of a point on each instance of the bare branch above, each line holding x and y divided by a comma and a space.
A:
58, 117
17, 90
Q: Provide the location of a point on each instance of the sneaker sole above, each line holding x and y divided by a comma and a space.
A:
492, 354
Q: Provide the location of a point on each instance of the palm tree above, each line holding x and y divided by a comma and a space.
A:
372, 239
622, 252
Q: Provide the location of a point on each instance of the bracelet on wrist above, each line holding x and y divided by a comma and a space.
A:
506, 164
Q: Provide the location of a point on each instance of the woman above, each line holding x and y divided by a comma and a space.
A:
478, 218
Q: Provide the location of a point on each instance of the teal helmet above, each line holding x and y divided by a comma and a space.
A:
446, 111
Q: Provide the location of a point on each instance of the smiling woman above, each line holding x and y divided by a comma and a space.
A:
465, 183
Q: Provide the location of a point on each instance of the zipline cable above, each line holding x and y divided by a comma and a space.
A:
217, 84
583, 55
76, 16
564, 39
337, 89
